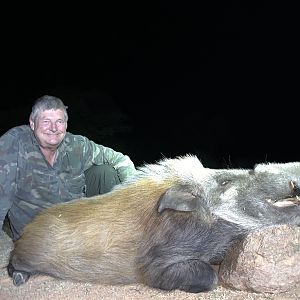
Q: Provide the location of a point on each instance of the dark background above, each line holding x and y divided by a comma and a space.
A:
161, 78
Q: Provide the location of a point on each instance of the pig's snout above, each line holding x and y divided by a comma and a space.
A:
292, 200
295, 187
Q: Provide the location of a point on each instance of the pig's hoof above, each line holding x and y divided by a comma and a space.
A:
20, 277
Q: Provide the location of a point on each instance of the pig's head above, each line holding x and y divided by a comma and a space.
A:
265, 195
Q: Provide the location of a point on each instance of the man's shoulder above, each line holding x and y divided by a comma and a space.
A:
19, 130
14, 140
75, 140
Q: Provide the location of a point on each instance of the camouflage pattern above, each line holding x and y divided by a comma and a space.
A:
28, 183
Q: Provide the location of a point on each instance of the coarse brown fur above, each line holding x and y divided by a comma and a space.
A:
98, 228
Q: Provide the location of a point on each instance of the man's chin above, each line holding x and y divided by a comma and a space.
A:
53, 143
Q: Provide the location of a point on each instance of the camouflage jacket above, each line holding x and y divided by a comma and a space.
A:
28, 183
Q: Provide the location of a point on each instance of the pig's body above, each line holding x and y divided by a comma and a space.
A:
163, 228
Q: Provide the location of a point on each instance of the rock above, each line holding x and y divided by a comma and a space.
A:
268, 260
6, 245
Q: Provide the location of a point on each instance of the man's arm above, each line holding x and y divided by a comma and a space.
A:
122, 163
8, 167
99, 154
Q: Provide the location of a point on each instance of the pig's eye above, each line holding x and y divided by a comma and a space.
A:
225, 182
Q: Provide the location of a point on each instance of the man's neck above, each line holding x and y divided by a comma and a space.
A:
49, 154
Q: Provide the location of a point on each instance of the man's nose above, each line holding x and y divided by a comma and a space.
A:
53, 126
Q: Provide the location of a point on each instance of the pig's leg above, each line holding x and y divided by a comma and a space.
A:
192, 276
19, 277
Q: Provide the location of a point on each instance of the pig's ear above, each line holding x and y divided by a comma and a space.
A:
178, 198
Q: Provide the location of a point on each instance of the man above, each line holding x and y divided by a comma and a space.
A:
43, 164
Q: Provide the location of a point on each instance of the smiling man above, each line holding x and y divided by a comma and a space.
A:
42, 164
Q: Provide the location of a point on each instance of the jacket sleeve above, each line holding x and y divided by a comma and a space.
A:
8, 169
99, 154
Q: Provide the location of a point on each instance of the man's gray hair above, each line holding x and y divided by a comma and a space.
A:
47, 102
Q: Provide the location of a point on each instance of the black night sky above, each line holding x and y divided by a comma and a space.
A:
161, 78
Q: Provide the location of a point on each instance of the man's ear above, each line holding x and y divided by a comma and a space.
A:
31, 123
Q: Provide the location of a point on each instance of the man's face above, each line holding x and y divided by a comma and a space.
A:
49, 128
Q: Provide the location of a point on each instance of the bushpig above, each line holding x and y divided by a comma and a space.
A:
164, 228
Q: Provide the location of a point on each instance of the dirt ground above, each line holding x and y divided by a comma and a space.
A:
44, 287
